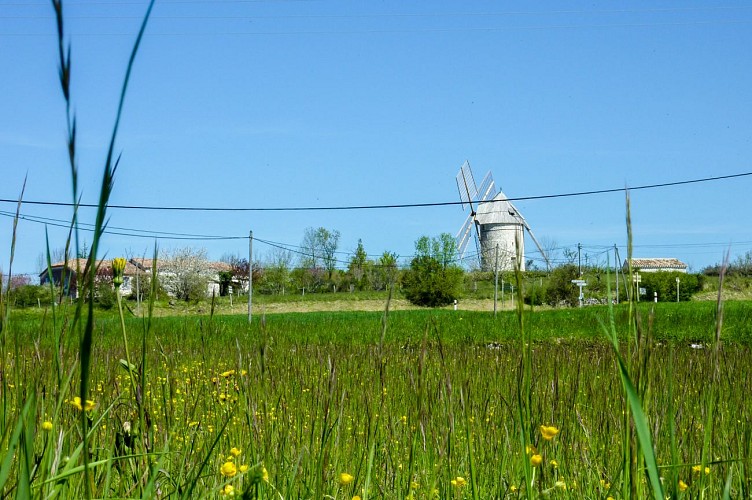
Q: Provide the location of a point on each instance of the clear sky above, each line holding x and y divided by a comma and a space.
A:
242, 103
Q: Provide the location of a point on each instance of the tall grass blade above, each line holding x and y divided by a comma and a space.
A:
15, 439
642, 428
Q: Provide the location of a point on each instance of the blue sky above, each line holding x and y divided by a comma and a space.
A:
326, 103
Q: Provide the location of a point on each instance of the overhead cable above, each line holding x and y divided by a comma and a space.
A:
378, 207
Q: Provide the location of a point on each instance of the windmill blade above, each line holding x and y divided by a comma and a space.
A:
540, 248
464, 235
466, 186
519, 216
487, 188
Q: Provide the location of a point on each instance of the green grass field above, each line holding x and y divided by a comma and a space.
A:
283, 408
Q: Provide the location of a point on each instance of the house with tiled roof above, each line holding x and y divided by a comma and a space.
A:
656, 264
66, 274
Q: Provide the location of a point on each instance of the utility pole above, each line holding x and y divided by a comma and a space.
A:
496, 280
579, 258
250, 276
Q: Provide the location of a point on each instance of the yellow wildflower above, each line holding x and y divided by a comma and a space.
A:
243, 468
530, 449
356, 497
118, 267
88, 405
234, 451
536, 460
548, 432
682, 485
228, 490
47, 425
345, 478
459, 482
228, 469
264, 474
513, 488
554, 464
227, 373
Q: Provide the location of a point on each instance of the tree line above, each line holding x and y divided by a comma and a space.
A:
432, 277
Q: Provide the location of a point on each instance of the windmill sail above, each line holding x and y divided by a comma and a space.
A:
494, 223
466, 186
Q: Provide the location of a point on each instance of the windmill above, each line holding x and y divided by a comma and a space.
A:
494, 224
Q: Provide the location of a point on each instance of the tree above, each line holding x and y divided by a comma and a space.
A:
434, 279
358, 267
185, 273
319, 248
276, 277
385, 271
442, 248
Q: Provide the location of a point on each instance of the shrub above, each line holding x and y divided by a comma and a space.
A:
427, 283
104, 294
30, 295
560, 288
665, 284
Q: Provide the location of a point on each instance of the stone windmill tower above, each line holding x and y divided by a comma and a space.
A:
494, 223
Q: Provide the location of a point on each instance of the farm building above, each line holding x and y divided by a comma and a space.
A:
654, 265
168, 271
65, 274
171, 272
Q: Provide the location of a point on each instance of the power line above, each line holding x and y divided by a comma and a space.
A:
379, 207
120, 231
385, 15
402, 31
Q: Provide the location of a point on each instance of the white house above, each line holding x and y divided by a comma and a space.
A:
656, 264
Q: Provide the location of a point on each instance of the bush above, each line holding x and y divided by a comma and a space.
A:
665, 284
104, 294
427, 283
30, 296
560, 288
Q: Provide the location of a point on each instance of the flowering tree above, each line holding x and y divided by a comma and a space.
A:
185, 273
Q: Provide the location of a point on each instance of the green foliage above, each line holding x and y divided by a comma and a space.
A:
665, 284
442, 248
145, 289
310, 279
319, 248
741, 266
276, 277
559, 289
104, 293
535, 293
358, 270
385, 272
225, 280
30, 296
427, 283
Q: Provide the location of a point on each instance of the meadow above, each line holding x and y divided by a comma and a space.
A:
635, 401
415, 404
